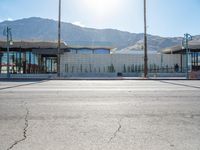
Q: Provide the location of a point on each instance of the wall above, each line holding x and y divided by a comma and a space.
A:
111, 64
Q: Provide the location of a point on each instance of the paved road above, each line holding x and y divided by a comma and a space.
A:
100, 115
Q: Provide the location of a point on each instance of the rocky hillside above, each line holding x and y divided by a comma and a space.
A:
45, 29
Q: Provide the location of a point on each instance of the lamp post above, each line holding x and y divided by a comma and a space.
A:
185, 44
59, 27
7, 32
145, 42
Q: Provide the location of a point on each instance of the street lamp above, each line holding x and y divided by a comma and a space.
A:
145, 42
59, 27
185, 44
7, 32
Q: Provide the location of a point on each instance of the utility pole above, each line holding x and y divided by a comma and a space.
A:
59, 27
145, 42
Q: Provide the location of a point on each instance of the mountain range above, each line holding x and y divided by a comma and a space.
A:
39, 29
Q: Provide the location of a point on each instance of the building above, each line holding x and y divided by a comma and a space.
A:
41, 58
38, 57
193, 55
30, 57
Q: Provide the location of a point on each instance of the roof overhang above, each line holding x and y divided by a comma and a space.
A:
32, 45
194, 46
42, 45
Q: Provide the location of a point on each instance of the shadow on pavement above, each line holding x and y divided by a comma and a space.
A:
180, 84
21, 85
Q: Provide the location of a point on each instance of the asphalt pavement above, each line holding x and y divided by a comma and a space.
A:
100, 115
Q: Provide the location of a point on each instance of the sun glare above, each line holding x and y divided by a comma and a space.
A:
102, 7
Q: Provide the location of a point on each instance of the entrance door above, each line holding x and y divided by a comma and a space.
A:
49, 64
195, 61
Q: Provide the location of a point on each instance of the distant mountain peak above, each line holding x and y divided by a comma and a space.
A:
46, 29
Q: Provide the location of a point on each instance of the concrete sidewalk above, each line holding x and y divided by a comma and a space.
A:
119, 78
97, 78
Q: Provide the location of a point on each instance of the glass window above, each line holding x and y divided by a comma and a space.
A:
73, 51
102, 51
85, 51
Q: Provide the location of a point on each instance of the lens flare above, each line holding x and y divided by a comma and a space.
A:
102, 7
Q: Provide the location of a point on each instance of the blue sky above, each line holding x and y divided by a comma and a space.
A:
165, 17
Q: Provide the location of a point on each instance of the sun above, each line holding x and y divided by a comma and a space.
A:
102, 7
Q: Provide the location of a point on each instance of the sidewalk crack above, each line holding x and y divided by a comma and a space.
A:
24, 130
116, 132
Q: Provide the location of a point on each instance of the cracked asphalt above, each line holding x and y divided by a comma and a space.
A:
100, 115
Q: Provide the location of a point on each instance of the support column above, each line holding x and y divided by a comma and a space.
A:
1, 54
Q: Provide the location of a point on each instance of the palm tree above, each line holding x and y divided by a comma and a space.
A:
145, 42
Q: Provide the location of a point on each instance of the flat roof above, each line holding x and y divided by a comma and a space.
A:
45, 45
194, 46
32, 45
91, 47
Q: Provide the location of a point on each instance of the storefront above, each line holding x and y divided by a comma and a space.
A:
29, 58
192, 55
38, 57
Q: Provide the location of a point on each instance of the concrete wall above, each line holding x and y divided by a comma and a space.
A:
111, 64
